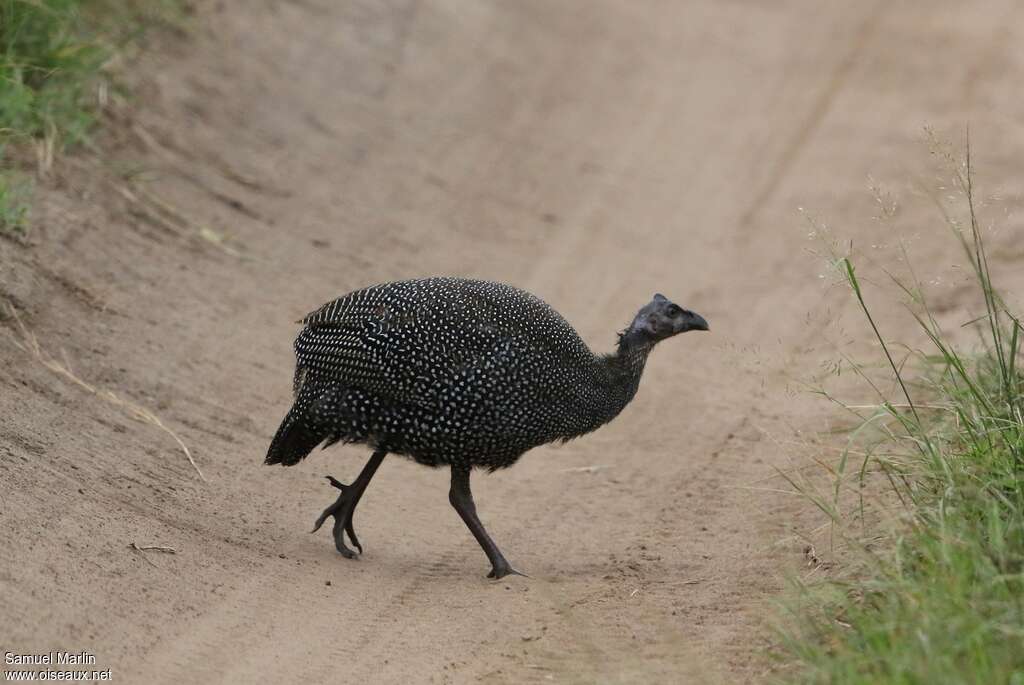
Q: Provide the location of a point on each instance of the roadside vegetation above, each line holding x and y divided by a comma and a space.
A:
56, 61
930, 584
49, 66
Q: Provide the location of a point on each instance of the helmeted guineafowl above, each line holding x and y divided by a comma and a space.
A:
459, 373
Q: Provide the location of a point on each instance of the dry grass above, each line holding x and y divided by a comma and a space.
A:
29, 344
165, 216
928, 506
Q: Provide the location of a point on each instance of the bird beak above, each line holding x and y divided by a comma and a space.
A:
697, 323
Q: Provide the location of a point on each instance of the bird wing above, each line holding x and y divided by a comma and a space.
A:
408, 341
349, 340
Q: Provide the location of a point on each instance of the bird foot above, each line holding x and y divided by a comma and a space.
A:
501, 570
342, 510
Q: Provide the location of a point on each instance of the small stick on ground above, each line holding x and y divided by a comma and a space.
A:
140, 550
30, 344
154, 548
144, 557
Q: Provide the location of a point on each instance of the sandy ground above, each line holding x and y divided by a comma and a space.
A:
591, 152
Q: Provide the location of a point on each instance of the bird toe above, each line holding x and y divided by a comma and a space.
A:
336, 483
497, 573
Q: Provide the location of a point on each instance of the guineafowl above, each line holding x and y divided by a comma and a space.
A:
459, 373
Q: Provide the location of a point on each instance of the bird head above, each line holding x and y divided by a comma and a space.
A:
662, 319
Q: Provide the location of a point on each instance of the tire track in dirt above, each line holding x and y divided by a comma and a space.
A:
812, 120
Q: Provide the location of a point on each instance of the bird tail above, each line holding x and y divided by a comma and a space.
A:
301, 430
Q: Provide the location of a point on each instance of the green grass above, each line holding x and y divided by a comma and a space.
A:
933, 592
53, 67
15, 192
48, 70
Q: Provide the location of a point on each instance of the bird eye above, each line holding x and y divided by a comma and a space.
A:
673, 310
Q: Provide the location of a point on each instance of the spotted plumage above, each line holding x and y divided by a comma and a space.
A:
457, 372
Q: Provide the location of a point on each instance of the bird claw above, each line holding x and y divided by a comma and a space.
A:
497, 573
352, 536
341, 510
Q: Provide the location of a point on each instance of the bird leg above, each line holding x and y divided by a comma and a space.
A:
345, 506
462, 499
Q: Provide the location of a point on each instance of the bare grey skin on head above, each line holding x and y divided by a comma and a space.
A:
459, 373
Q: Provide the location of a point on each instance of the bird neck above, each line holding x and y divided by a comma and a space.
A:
619, 373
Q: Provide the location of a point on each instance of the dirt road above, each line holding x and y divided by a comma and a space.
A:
591, 152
